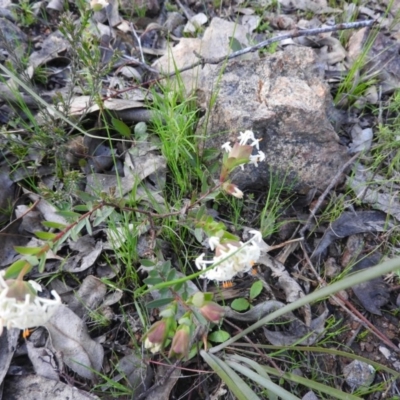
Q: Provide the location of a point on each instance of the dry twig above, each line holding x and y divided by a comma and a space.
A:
293, 34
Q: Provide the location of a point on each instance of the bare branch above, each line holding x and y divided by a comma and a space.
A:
293, 34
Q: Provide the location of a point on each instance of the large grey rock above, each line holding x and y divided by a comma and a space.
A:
284, 100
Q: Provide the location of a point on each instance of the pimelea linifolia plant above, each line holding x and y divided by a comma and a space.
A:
231, 257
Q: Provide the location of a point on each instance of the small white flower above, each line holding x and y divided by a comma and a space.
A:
200, 261
254, 160
257, 236
227, 147
257, 158
255, 143
245, 136
28, 312
234, 259
213, 242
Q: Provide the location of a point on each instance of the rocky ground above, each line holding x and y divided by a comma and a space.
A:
112, 117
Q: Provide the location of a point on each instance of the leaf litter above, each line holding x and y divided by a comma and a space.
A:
142, 50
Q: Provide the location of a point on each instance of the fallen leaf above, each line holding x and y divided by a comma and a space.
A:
43, 361
350, 223
374, 293
375, 190
69, 335
29, 387
8, 345
88, 297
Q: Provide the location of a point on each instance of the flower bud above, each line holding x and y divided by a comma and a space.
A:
157, 332
180, 342
232, 189
213, 312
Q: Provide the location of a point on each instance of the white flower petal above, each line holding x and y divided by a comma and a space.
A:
261, 156
213, 242
227, 147
237, 193
257, 235
245, 136
255, 143
200, 261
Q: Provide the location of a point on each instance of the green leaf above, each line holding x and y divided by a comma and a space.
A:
208, 296
42, 263
86, 197
54, 225
45, 235
256, 289
27, 250
198, 234
140, 129
121, 127
70, 215
81, 207
219, 336
234, 44
240, 304
178, 286
171, 275
147, 263
79, 226
102, 215
33, 260
166, 267
15, 268
152, 281
160, 302
88, 227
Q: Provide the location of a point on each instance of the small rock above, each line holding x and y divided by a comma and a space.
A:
359, 374
195, 23
310, 396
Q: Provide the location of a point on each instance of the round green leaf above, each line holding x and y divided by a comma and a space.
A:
240, 304
219, 336
256, 289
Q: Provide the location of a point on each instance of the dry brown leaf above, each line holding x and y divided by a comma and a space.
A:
69, 335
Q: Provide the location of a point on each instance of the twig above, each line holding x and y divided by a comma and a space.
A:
188, 13
334, 181
139, 42
293, 34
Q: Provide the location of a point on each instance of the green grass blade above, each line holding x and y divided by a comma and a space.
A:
235, 383
265, 382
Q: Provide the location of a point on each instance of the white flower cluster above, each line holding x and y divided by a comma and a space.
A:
243, 138
27, 313
234, 258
